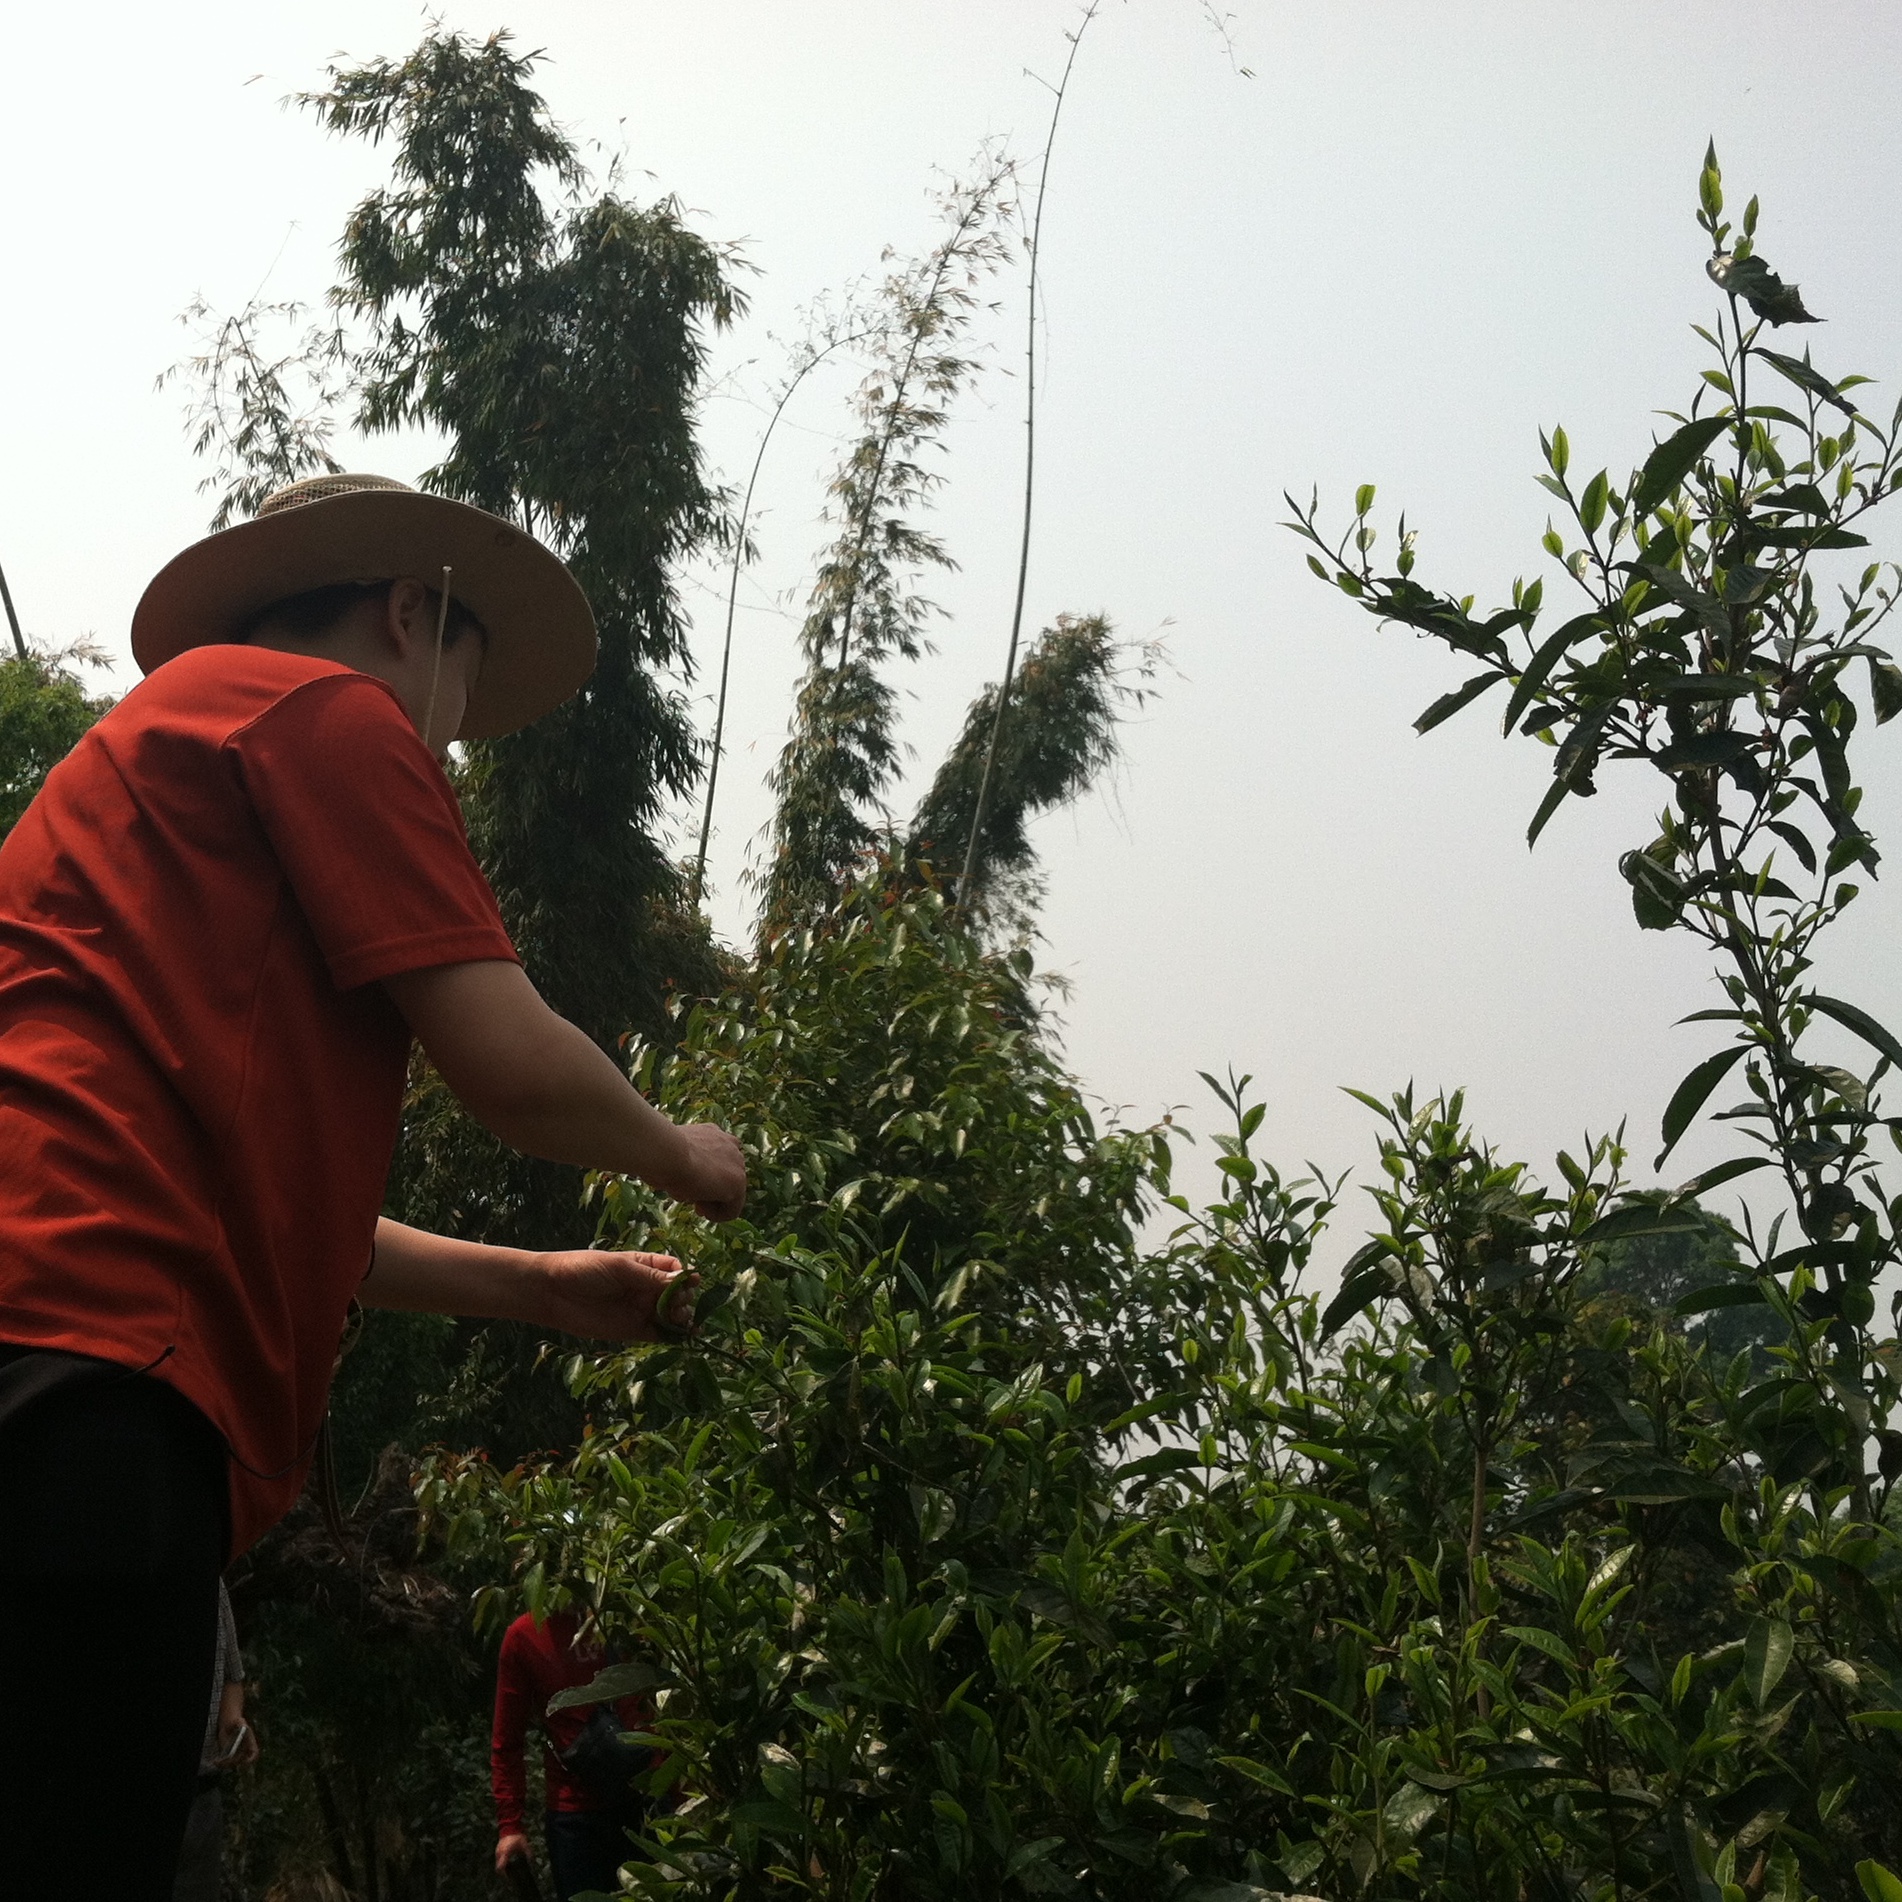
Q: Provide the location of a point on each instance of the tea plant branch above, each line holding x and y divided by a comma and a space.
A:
1705, 652
1030, 458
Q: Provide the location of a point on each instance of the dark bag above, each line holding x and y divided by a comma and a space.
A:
601, 1764
523, 1881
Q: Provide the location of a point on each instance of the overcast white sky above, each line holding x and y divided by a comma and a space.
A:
1416, 235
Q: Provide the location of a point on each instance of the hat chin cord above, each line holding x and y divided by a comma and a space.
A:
435, 672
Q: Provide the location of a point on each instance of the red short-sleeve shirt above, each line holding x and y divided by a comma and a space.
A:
200, 1076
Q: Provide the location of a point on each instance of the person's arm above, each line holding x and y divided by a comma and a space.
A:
231, 1659
508, 1777
237, 1741
602, 1294
544, 1087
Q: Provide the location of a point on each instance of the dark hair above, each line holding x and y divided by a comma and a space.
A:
312, 614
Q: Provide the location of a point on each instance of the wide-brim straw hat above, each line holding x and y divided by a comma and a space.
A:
335, 528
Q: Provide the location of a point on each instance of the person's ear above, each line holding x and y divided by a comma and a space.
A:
408, 624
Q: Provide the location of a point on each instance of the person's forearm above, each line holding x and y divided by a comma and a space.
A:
544, 1087
420, 1273
508, 1740
508, 1784
575, 1106
595, 1293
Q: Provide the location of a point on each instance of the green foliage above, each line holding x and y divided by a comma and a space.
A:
889, 1077
1654, 1273
1481, 1602
977, 1549
44, 708
977, 1552
371, 1696
1708, 649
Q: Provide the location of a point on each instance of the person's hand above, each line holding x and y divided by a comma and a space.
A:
511, 1848
617, 1294
237, 1741
709, 1172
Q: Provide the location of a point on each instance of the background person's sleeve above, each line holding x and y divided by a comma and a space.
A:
231, 1660
368, 832
508, 1774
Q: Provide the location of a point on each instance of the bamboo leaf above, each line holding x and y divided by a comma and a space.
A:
1364, 1280
609, 1686
1540, 1639
1172, 1459
1805, 377
1885, 689
1723, 1172
1767, 294
1726, 1294
1642, 1218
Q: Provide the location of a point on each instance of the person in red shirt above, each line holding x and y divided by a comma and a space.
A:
586, 1828
222, 922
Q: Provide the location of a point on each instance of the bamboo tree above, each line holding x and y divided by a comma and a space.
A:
967, 876
267, 420
13, 620
927, 308
811, 354
556, 342
1067, 701
865, 608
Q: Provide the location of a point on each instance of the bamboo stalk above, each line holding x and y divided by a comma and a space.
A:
732, 601
1030, 467
13, 620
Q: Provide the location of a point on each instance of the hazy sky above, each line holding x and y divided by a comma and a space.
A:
1414, 236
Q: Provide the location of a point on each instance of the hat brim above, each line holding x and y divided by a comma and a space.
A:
541, 632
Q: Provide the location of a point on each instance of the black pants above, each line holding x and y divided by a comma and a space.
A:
586, 1849
113, 1527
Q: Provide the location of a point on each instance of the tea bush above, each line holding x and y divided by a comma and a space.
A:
974, 1548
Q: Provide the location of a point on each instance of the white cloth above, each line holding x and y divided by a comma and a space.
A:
227, 1668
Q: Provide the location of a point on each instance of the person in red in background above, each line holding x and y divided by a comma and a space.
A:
586, 1828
